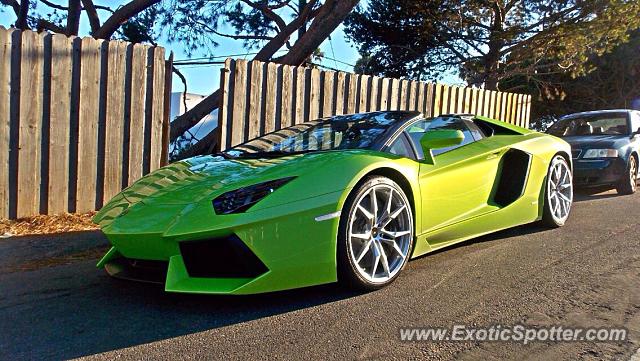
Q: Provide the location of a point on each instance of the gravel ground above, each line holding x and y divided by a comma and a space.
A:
54, 304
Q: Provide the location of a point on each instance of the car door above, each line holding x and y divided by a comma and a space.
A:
458, 185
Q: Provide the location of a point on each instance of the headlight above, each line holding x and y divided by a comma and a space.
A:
601, 153
241, 199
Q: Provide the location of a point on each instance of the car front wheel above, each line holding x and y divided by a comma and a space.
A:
629, 181
375, 236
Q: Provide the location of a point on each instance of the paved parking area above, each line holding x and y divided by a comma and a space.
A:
55, 304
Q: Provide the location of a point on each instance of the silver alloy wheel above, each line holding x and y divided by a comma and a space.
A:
380, 233
560, 189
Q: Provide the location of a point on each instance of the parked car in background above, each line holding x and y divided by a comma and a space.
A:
605, 147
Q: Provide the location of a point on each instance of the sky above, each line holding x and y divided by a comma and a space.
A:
204, 79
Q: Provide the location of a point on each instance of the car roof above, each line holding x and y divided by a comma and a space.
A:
597, 112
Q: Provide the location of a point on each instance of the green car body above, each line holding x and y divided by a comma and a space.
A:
292, 231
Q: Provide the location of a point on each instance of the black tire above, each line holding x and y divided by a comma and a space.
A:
548, 218
348, 275
628, 183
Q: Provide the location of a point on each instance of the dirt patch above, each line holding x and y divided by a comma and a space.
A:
32, 265
47, 224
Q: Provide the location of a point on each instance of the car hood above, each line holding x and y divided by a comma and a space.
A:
597, 141
204, 178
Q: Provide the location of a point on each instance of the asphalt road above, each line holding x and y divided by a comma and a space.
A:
54, 304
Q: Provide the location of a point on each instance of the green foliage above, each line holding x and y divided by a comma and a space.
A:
487, 41
614, 82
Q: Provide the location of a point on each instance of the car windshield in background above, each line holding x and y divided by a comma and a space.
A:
358, 131
601, 124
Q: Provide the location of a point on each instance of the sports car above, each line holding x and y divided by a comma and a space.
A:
351, 198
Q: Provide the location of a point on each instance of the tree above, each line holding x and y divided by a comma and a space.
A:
486, 41
266, 26
324, 19
613, 83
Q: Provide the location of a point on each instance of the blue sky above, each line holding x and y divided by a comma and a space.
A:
205, 79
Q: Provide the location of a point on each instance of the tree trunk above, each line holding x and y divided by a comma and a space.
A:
330, 15
73, 17
122, 15
496, 43
21, 23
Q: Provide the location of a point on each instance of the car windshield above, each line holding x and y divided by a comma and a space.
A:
358, 131
600, 124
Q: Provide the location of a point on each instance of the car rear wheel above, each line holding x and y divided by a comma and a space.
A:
375, 236
558, 193
628, 183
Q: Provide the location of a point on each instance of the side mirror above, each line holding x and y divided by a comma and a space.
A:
437, 139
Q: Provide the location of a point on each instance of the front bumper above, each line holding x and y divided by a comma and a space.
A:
291, 249
598, 172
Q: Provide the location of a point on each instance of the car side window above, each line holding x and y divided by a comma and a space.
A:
417, 130
401, 147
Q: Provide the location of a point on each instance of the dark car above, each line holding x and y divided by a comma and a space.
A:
605, 146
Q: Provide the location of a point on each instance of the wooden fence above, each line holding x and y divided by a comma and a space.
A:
262, 97
80, 119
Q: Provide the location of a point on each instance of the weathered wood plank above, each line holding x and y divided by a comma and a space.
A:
314, 96
62, 66
353, 80
468, 92
421, 93
404, 94
114, 119
364, 93
498, 106
492, 103
271, 95
483, 99
412, 96
254, 119
527, 112
299, 75
157, 147
237, 134
459, 99
372, 103
340, 90
286, 115
395, 94
429, 100
447, 103
384, 94
328, 95
29, 154
138, 93
437, 100
516, 109
88, 126
5, 124
225, 114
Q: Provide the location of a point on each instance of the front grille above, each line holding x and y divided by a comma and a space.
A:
225, 257
575, 153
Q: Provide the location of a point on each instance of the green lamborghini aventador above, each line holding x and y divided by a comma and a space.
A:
350, 198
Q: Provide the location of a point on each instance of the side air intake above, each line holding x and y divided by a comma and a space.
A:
513, 177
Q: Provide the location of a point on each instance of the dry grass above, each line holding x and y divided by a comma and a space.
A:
47, 224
